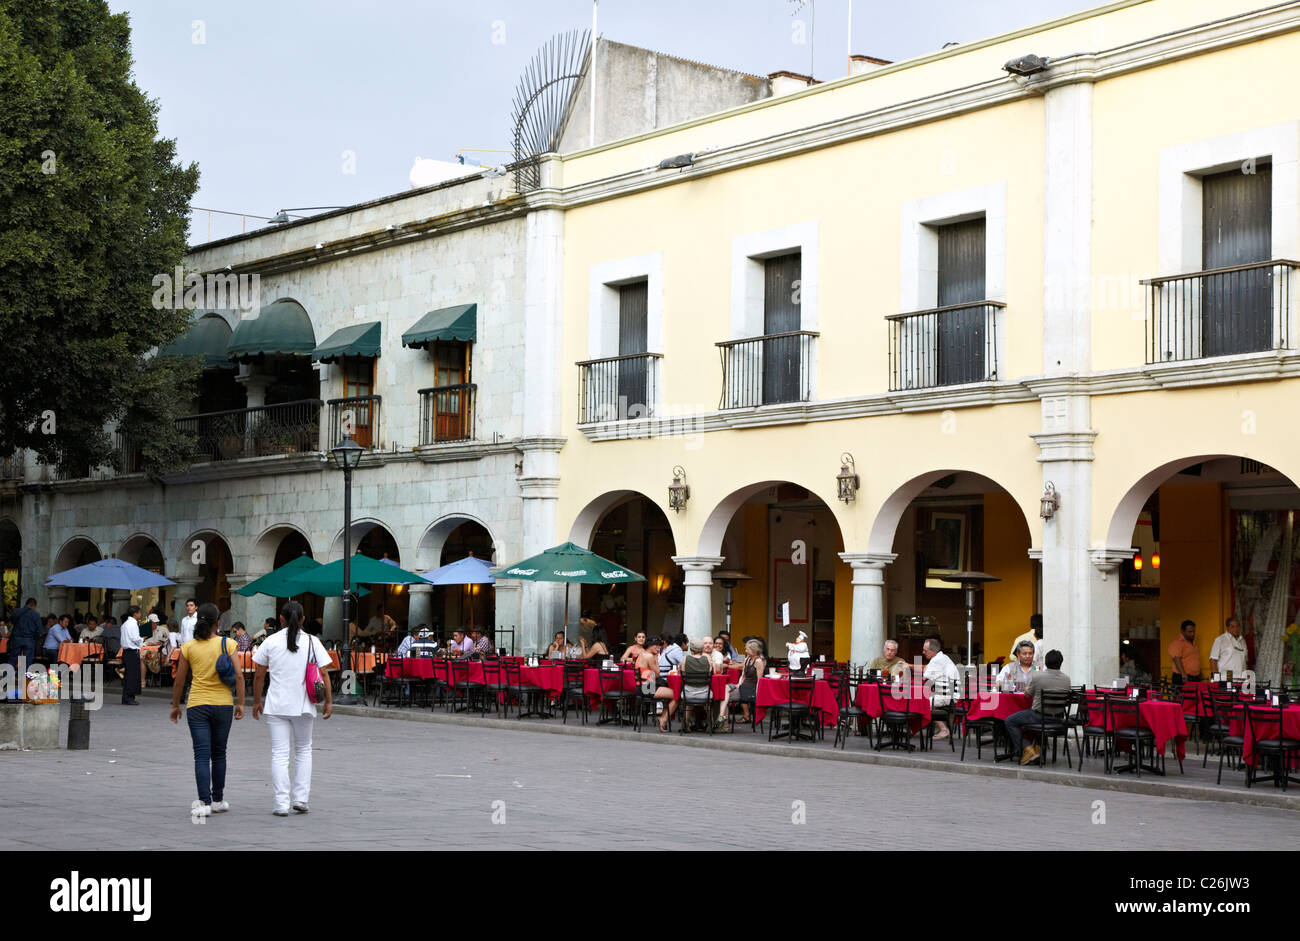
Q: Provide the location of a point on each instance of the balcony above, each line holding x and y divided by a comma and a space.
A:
287, 428
357, 415
447, 413
767, 370
129, 450
618, 387
1220, 312
944, 346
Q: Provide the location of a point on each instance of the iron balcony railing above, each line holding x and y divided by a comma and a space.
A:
944, 346
357, 415
767, 370
129, 450
1220, 312
618, 387
287, 428
447, 413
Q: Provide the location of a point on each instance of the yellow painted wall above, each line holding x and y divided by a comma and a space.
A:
1191, 566
1008, 603
749, 599
843, 610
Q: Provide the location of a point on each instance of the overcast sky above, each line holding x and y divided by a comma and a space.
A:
268, 95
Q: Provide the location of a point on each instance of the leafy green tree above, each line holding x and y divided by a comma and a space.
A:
92, 205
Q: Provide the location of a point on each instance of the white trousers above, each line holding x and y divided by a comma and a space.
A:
282, 729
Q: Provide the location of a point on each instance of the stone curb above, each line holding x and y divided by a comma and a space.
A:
1127, 785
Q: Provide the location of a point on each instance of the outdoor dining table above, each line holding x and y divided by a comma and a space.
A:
546, 676
72, 654
1290, 729
591, 683
718, 683
362, 661
993, 704
1164, 719
869, 701
776, 692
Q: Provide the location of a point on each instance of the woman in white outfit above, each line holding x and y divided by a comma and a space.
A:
288, 711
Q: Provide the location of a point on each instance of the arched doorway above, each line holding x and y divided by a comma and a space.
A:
947, 521
77, 551
143, 551
787, 540
292, 545
453, 604
1213, 537
203, 566
372, 538
11, 566
631, 529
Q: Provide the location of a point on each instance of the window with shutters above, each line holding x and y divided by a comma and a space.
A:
1237, 234
781, 319
633, 367
447, 408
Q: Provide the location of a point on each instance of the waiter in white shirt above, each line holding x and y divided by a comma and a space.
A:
187, 623
130, 654
1229, 650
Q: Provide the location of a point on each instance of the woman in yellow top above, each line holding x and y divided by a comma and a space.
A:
210, 709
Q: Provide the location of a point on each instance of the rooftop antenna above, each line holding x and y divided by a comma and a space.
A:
812, 30
542, 100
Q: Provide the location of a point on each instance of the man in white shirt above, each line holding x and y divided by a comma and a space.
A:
941, 676
187, 623
130, 653
671, 656
1229, 650
1014, 677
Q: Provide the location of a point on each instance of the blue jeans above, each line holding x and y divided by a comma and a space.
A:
209, 729
1016, 723
24, 649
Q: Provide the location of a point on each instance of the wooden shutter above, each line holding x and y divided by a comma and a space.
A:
961, 281
1237, 229
782, 314
633, 314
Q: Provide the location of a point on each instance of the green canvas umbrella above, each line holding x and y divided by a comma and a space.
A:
569, 563
328, 579
276, 583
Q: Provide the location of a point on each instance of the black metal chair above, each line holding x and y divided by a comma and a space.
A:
895, 722
1225, 709
981, 726
462, 689
1138, 736
615, 699
745, 696
494, 685
691, 700
1051, 724
946, 714
514, 690
1267, 731
574, 690
394, 690
849, 714
798, 709
1095, 724
1192, 701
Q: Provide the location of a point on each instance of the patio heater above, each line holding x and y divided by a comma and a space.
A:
347, 455
971, 582
728, 579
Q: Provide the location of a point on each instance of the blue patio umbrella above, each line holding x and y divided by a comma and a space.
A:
466, 571
108, 573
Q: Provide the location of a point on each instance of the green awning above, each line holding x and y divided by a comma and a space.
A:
450, 323
359, 340
207, 337
282, 327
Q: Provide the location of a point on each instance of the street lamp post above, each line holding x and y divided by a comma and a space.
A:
347, 455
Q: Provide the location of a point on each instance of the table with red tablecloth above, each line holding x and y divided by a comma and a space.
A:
1290, 729
776, 692
992, 704
72, 654
546, 676
591, 682
1164, 719
718, 683
912, 700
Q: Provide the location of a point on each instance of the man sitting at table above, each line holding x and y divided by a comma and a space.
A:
1051, 679
57, 634
424, 645
1035, 636
942, 677
671, 655
481, 644
1015, 676
1129, 666
891, 662
461, 646
404, 648
243, 639
93, 631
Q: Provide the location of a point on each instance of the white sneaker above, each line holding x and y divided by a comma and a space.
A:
220, 807
200, 809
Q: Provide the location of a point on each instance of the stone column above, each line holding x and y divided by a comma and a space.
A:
420, 605
697, 612
509, 597
58, 604
1102, 658
867, 638
251, 611
186, 586
332, 617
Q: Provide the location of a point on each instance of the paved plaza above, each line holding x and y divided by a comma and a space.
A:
383, 783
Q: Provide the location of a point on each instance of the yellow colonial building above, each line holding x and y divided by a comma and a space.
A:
1025, 306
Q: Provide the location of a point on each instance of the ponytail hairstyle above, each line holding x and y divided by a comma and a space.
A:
208, 616
292, 614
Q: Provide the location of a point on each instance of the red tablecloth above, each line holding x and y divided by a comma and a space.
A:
996, 705
718, 682
869, 701
73, 654
547, 676
591, 683
1290, 729
1165, 719
777, 692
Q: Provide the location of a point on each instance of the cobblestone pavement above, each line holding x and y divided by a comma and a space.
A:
383, 784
